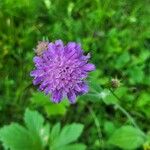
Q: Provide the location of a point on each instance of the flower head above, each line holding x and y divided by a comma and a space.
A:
115, 83
61, 71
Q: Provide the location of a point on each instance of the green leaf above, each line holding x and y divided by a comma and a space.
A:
69, 134
107, 97
40, 99
59, 109
109, 127
121, 91
94, 92
136, 74
122, 60
55, 131
127, 137
44, 134
73, 147
143, 103
33, 120
17, 137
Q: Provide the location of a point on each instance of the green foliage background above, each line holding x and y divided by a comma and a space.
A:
116, 33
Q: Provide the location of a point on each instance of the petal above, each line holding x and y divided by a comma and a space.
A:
36, 73
43, 86
51, 46
37, 80
78, 88
71, 54
89, 67
71, 96
84, 75
57, 96
73, 50
59, 47
52, 50
46, 56
37, 59
82, 88
85, 58
79, 50
88, 56
71, 45
59, 43
47, 90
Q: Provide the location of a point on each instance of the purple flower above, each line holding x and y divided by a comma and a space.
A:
61, 71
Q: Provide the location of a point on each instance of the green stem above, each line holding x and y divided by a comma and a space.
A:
124, 111
97, 124
127, 114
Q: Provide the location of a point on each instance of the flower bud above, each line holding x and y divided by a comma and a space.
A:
42, 45
115, 83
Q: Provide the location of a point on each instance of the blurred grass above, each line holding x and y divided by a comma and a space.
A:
115, 32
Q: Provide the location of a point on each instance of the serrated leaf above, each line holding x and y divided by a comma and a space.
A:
16, 137
44, 134
33, 120
69, 134
55, 131
127, 137
35, 123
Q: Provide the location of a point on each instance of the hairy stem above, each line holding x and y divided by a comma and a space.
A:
97, 124
124, 111
130, 118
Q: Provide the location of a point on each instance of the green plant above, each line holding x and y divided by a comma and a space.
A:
37, 136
